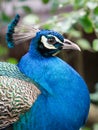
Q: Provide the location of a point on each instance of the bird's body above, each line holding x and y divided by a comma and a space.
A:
62, 101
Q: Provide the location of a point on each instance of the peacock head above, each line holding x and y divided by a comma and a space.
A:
46, 42
50, 42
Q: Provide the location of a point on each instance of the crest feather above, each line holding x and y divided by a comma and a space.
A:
18, 32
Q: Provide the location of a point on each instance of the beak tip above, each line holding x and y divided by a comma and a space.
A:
78, 48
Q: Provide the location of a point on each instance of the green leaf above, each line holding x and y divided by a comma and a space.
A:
3, 50
84, 44
79, 3
27, 9
74, 33
45, 1
12, 60
86, 23
5, 17
96, 11
95, 45
47, 26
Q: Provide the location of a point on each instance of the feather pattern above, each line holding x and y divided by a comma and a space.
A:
17, 96
11, 70
17, 93
18, 33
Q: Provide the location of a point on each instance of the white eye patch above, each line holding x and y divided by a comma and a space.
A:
46, 44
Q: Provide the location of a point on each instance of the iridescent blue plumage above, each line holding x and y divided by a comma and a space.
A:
64, 100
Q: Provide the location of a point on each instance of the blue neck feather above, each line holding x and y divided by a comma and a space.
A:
64, 99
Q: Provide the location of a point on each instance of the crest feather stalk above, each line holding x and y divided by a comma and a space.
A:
18, 32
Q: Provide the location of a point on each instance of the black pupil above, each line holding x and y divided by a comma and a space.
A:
51, 40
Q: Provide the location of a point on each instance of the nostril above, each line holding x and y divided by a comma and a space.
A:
67, 42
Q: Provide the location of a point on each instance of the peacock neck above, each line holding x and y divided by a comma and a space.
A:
38, 69
34, 66
33, 49
34, 53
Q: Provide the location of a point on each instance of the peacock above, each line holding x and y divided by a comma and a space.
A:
41, 92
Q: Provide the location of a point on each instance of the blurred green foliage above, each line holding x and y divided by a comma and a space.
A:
86, 128
94, 96
4, 51
12, 60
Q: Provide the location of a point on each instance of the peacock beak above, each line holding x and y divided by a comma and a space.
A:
67, 44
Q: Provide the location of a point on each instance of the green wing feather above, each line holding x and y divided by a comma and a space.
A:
11, 70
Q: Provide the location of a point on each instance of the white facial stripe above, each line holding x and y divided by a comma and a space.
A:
47, 45
57, 39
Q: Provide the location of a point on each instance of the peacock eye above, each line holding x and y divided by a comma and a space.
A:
51, 40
